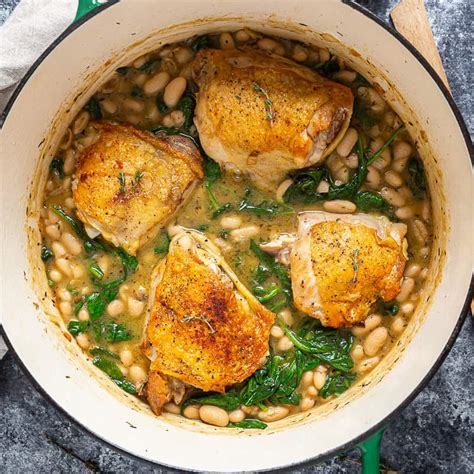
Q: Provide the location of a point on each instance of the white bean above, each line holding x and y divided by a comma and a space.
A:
83, 341
286, 316
352, 161
405, 212
213, 415
393, 178
420, 231
373, 178
226, 41
357, 353
137, 374
319, 378
192, 412
66, 308
268, 44
371, 322
284, 344
115, 307
55, 275
273, 413
281, 190
339, 206
375, 341
347, 143
69, 161
412, 270
406, 288
81, 122
174, 90
66, 141
236, 416
178, 118
307, 403
398, 325
401, 150
299, 53
311, 391
393, 197
307, 379
242, 36
64, 266
53, 231
323, 186
231, 222
109, 106
133, 105
407, 308
183, 55
345, 76
137, 63
135, 307
324, 55
83, 315
171, 407
244, 233
126, 357
71, 243
156, 84
276, 332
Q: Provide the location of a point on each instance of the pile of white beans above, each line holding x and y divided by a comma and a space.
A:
131, 96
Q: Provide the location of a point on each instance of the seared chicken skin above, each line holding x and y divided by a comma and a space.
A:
340, 264
129, 182
204, 327
266, 115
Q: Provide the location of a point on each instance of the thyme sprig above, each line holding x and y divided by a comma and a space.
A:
202, 318
270, 113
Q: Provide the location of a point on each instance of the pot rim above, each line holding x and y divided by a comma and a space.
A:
445, 351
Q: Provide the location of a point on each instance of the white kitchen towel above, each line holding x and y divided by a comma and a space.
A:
30, 29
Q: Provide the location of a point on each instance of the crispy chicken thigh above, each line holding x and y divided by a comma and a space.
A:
266, 115
204, 327
342, 263
129, 182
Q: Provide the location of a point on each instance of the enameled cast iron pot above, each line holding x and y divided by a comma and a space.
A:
59, 84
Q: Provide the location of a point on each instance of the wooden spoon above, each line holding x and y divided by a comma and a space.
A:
411, 20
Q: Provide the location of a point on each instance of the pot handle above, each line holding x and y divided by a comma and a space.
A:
85, 6
370, 451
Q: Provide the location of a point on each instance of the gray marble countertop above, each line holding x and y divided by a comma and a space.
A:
435, 433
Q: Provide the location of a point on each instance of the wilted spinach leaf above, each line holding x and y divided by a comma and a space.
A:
417, 180
248, 424
57, 167
337, 383
93, 108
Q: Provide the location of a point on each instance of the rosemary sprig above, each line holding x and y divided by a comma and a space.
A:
355, 264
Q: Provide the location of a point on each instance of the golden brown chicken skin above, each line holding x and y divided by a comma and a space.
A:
129, 182
204, 327
342, 264
266, 115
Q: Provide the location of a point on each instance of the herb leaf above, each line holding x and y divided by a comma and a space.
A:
103, 351
228, 401
270, 114
113, 371
93, 108
248, 424
187, 105
76, 327
264, 208
57, 167
96, 271
111, 331
162, 243
417, 180
200, 42
46, 253
337, 383
369, 201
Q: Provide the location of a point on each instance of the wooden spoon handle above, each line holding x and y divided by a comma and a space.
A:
411, 20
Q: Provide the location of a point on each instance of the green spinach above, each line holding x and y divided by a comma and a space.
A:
248, 424
113, 371
336, 383
57, 167
46, 253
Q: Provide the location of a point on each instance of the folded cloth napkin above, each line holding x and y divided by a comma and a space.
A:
30, 29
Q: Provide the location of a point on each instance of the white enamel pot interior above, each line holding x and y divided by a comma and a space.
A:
52, 93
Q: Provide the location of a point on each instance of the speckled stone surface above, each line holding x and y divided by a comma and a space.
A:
434, 434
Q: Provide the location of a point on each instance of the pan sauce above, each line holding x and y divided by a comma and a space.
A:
138, 94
